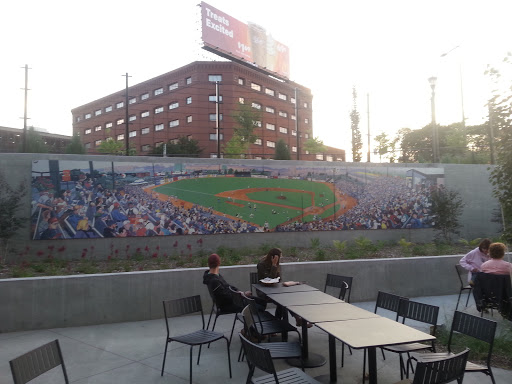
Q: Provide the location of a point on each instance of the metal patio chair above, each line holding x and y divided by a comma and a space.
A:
464, 284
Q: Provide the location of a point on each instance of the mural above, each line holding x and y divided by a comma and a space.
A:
91, 199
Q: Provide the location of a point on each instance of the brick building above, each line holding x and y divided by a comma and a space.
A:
183, 103
11, 140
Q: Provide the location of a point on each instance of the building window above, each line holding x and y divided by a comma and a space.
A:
173, 86
144, 96
258, 142
189, 100
108, 125
306, 105
158, 91
256, 123
283, 130
174, 123
213, 117
159, 110
306, 121
270, 109
214, 78
144, 114
145, 147
120, 105
78, 119
188, 80
283, 114
97, 142
293, 117
120, 137
159, 127
294, 132
133, 100
282, 96
294, 149
256, 87
132, 134
189, 118
270, 92
174, 105
108, 109
213, 155
97, 112
87, 116
120, 121
87, 145
271, 127
213, 136
214, 98
271, 144
319, 156
306, 136
256, 105
241, 100
97, 128
132, 118
292, 100
87, 131
241, 81
329, 158
159, 144
144, 131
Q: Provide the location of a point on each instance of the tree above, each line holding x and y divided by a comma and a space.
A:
110, 146
75, 146
246, 119
314, 145
383, 145
282, 151
183, 146
447, 207
11, 200
357, 143
35, 142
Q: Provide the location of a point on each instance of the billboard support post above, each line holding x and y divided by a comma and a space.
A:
217, 125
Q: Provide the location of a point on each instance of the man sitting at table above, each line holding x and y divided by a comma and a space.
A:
220, 289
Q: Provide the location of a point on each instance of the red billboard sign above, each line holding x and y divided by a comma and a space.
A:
249, 42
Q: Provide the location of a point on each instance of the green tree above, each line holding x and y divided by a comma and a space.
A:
75, 146
383, 145
183, 146
109, 146
314, 145
282, 151
35, 142
357, 143
11, 201
246, 119
447, 206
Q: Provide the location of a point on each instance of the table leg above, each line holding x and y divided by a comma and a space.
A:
332, 377
311, 360
372, 365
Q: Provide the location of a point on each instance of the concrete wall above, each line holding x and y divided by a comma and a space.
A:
470, 180
65, 301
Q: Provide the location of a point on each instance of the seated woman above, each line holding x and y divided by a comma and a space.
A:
496, 265
475, 258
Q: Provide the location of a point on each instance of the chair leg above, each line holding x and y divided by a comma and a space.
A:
458, 299
165, 355
199, 354
229, 358
364, 365
402, 368
467, 301
210, 318
232, 330
190, 364
213, 327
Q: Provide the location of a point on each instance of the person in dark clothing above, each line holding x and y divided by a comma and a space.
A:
220, 289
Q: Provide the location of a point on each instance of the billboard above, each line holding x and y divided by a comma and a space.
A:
247, 42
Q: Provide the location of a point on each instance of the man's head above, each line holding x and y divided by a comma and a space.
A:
213, 260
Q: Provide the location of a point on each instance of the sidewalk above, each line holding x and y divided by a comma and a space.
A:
132, 353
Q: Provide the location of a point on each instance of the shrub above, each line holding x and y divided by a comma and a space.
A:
340, 246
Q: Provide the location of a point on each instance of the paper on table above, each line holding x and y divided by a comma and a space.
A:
268, 280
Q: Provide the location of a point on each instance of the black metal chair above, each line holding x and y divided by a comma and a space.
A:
343, 283
472, 326
493, 292
258, 356
445, 370
266, 328
464, 284
253, 279
279, 349
187, 306
40, 360
424, 313
219, 312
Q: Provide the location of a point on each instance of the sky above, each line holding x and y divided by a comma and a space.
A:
78, 51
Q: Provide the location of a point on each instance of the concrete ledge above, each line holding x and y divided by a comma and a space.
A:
67, 301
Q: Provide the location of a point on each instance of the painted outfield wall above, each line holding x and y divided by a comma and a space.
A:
66, 301
368, 183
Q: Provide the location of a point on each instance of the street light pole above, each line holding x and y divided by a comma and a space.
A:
435, 139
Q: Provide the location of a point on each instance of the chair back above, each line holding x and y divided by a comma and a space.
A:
180, 307
258, 357
442, 371
493, 291
32, 364
253, 279
388, 301
462, 273
250, 324
424, 313
343, 283
474, 326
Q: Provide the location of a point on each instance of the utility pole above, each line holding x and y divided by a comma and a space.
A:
24, 145
217, 117
127, 125
368, 112
297, 124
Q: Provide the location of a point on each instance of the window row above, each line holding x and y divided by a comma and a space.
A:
270, 92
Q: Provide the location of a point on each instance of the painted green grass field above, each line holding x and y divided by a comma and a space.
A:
257, 200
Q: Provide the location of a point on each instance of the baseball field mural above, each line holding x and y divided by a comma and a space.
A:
81, 199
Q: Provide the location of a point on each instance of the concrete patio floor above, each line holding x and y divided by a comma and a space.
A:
131, 353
